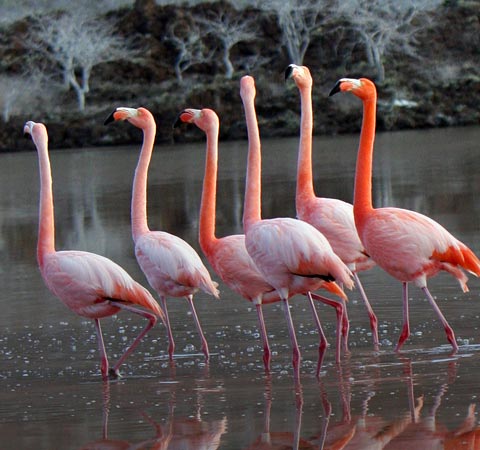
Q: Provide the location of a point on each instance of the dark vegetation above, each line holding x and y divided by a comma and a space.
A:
437, 85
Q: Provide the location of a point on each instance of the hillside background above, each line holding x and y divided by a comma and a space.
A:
69, 68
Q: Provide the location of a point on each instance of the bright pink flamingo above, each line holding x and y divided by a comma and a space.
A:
293, 256
90, 285
228, 255
172, 267
409, 246
332, 217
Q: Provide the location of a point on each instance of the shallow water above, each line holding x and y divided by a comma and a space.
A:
52, 396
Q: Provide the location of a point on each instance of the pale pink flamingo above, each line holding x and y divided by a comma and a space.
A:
332, 217
409, 246
292, 255
172, 267
228, 255
89, 284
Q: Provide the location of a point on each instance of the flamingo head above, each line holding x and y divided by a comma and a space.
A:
362, 88
36, 130
300, 74
139, 117
247, 88
204, 118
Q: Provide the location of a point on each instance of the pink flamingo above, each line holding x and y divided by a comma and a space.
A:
292, 255
409, 246
172, 267
228, 255
89, 284
332, 217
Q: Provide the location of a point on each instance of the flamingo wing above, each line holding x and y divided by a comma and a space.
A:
237, 270
334, 219
412, 246
295, 247
172, 266
90, 284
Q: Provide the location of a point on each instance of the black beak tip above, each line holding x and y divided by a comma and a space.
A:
178, 121
110, 118
335, 89
288, 72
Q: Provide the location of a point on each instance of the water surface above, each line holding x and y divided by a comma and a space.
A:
52, 396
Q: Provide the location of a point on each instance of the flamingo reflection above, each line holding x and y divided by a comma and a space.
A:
176, 433
281, 440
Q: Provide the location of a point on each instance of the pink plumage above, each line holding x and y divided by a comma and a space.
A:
172, 267
89, 284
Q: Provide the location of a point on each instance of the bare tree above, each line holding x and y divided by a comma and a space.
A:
191, 50
230, 28
298, 21
385, 25
19, 93
74, 44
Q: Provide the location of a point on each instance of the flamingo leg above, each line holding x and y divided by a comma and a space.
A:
171, 341
371, 314
448, 329
101, 348
152, 320
323, 343
263, 334
293, 338
406, 321
340, 311
199, 328
345, 325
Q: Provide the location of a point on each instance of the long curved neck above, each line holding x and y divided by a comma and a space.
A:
362, 201
305, 189
139, 193
209, 193
46, 227
253, 188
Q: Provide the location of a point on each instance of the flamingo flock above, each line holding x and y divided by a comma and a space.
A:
324, 248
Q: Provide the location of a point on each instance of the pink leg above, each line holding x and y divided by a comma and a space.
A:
340, 310
293, 339
171, 341
371, 314
448, 329
323, 343
263, 334
345, 325
101, 348
152, 320
406, 319
199, 328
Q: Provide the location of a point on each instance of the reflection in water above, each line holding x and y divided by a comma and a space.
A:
176, 433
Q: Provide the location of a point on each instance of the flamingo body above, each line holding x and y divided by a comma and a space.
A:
295, 257
292, 255
231, 261
334, 218
412, 247
409, 246
172, 267
90, 284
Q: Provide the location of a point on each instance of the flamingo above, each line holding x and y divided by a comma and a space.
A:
172, 267
332, 217
409, 246
89, 284
292, 255
228, 255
